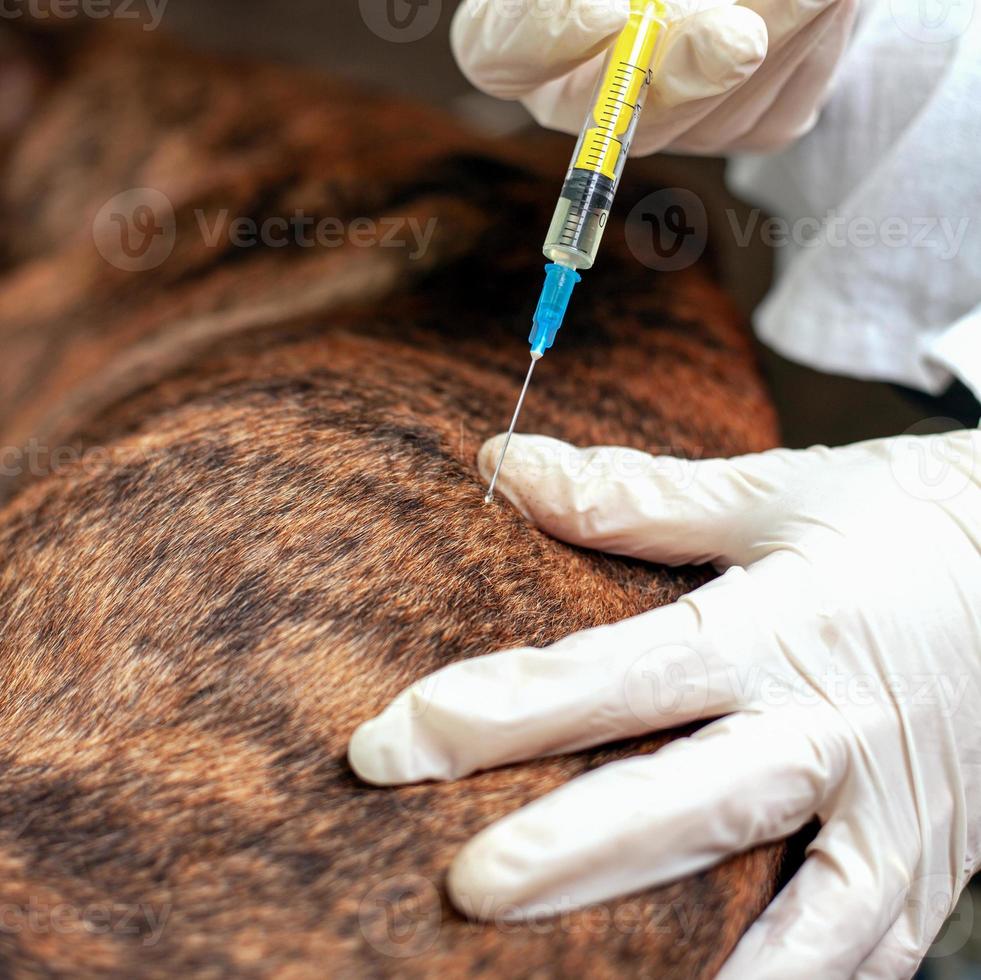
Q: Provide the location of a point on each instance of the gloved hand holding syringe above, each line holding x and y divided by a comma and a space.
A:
580, 217
717, 76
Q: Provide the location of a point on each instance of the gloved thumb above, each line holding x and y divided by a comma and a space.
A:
657, 508
508, 49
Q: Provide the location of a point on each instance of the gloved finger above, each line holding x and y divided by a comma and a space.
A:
626, 502
706, 56
656, 670
710, 56
708, 53
829, 917
787, 20
749, 778
509, 50
781, 100
930, 900
795, 108
890, 962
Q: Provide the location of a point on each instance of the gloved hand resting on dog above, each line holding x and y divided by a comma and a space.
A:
840, 651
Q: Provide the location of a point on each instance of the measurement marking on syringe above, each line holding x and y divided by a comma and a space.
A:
612, 123
609, 140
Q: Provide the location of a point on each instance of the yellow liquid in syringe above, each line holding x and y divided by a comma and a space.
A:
583, 207
628, 72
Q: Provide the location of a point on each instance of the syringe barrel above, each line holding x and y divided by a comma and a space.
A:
584, 205
580, 217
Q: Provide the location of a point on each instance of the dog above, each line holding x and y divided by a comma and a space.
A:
241, 511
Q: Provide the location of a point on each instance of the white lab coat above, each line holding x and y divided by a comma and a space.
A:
879, 239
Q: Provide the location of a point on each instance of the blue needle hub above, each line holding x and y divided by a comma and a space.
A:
560, 280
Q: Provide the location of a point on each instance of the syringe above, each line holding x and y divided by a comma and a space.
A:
580, 217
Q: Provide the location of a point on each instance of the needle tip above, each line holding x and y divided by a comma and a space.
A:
489, 496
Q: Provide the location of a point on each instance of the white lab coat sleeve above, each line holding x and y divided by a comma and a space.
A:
958, 349
878, 208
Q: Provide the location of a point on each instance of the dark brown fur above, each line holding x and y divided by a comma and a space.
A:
251, 515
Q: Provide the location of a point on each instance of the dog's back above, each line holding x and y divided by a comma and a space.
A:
244, 513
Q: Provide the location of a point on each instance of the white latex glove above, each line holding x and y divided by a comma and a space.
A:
842, 648
744, 76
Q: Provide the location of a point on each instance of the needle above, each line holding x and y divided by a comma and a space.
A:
489, 496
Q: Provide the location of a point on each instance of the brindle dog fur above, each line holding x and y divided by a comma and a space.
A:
242, 511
